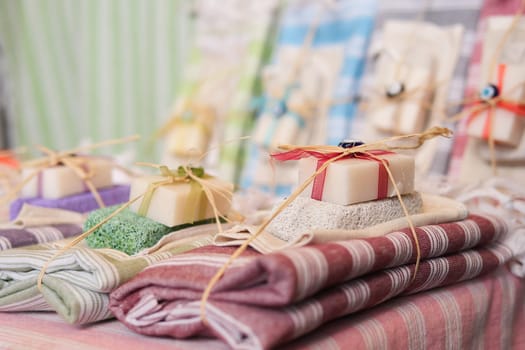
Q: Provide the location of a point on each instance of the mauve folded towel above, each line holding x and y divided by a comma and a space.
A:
81, 203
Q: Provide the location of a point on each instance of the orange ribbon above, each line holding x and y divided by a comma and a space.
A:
495, 102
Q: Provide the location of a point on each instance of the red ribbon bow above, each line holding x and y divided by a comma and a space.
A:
318, 184
516, 108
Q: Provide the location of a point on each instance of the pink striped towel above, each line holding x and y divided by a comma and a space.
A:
264, 301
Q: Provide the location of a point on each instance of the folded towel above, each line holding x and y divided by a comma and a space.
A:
265, 300
77, 283
81, 203
32, 215
13, 237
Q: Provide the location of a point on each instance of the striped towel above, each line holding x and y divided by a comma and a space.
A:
349, 26
77, 283
443, 13
485, 313
490, 8
18, 237
263, 301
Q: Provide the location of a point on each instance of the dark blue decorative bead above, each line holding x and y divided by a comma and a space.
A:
489, 92
395, 89
350, 143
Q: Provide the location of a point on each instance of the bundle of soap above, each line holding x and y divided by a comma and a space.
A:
167, 202
353, 192
182, 201
500, 109
66, 186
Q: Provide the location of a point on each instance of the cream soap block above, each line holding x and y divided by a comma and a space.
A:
353, 180
188, 139
409, 115
61, 181
169, 204
507, 127
304, 215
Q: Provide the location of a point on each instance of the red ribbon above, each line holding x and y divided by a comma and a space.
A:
516, 108
318, 184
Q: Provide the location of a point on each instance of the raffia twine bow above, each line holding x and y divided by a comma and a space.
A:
78, 164
411, 141
183, 174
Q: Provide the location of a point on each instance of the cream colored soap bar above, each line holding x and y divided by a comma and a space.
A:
169, 204
408, 115
188, 139
507, 128
61, 181
350, 181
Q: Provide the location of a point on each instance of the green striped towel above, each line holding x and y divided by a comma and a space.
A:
77, 283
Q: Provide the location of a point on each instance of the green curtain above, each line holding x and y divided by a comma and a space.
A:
91, 69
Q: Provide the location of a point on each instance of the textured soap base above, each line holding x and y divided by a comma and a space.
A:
127, 232
81, 203
305, 214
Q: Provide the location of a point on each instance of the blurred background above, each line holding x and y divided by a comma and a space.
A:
194, 77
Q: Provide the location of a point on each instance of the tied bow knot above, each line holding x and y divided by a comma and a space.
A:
182, 173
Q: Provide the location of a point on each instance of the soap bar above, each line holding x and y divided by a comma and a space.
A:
188, 139
175, 204
80, 203
408, 115
507, 127
61, 181
354, 180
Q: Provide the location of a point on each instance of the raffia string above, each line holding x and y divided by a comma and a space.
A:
69, 159
387, 144
183, 174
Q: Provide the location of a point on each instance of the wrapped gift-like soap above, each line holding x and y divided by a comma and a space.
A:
357, 179
188, 138
505, 125
180, 202
404, 108
81, 202
62, 181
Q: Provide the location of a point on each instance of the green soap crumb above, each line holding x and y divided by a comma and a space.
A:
128, 231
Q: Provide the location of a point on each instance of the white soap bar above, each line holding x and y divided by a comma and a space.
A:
355, 180
169, 203
507, 127
188, 139
408, 115
61, 181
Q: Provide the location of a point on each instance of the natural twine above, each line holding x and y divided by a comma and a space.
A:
69, 159
386, 144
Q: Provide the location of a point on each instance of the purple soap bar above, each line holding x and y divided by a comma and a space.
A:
81, 203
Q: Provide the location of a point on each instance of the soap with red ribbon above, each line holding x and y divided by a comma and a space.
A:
356, 177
